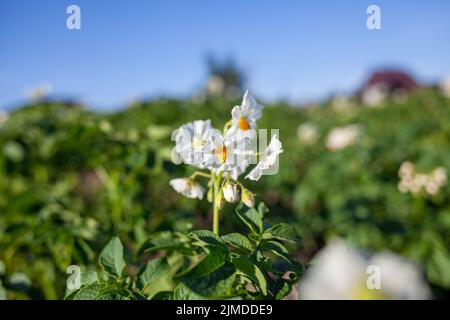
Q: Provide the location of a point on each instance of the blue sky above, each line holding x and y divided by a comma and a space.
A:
299, 50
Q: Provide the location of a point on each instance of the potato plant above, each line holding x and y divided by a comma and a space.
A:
201, 265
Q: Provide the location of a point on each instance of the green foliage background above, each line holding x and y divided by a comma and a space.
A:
70, 179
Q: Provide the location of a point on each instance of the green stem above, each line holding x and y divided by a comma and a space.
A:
227, 126
200, 174
217, 181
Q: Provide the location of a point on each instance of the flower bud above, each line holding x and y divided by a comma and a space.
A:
210, 195
230, 192
247, 198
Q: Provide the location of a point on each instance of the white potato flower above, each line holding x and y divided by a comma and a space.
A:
268, 159
342, 273
191, 140
342, 137
188, 188
244, 116
229, 153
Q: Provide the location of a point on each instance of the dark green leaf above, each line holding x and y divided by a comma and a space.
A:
276, 248
152, 271
252, 271
284, 232
219, 284
215, 259
111, 257
251, 217
239, 241
182, 292
206, 237
89, 292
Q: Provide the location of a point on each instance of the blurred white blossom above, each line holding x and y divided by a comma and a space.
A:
307, 133
188, 188
445, 87
39, 91
375, 94
342, 137
341, 102
215, 85
342, 273
415, 182
105, 126
3, 117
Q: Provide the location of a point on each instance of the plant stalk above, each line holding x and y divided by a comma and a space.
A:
217, 181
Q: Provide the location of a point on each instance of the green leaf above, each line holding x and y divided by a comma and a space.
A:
206, 237
166, 295
252, 271
276, 248
111, 257
216, 258
89, 292
284, 232
163, 241
152, 271
219, 284
251, 217
86, 278
2, 292
262, 209
239, 241
182, 292
114, 292
280, 288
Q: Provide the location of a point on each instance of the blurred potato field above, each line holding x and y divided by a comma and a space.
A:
71, 178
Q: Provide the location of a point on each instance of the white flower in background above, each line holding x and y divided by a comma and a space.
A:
440, 176
188, 188
406, 169
230, 192
342, 272
268, 159
105, 126
342, 137
375, 94
191, 140
38, 92
340, 103
3, 117
215, 85
445, 87
421, 183
307, 133
400, 278
244, 116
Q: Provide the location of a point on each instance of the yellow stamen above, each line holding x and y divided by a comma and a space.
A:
243, 124
222, 154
